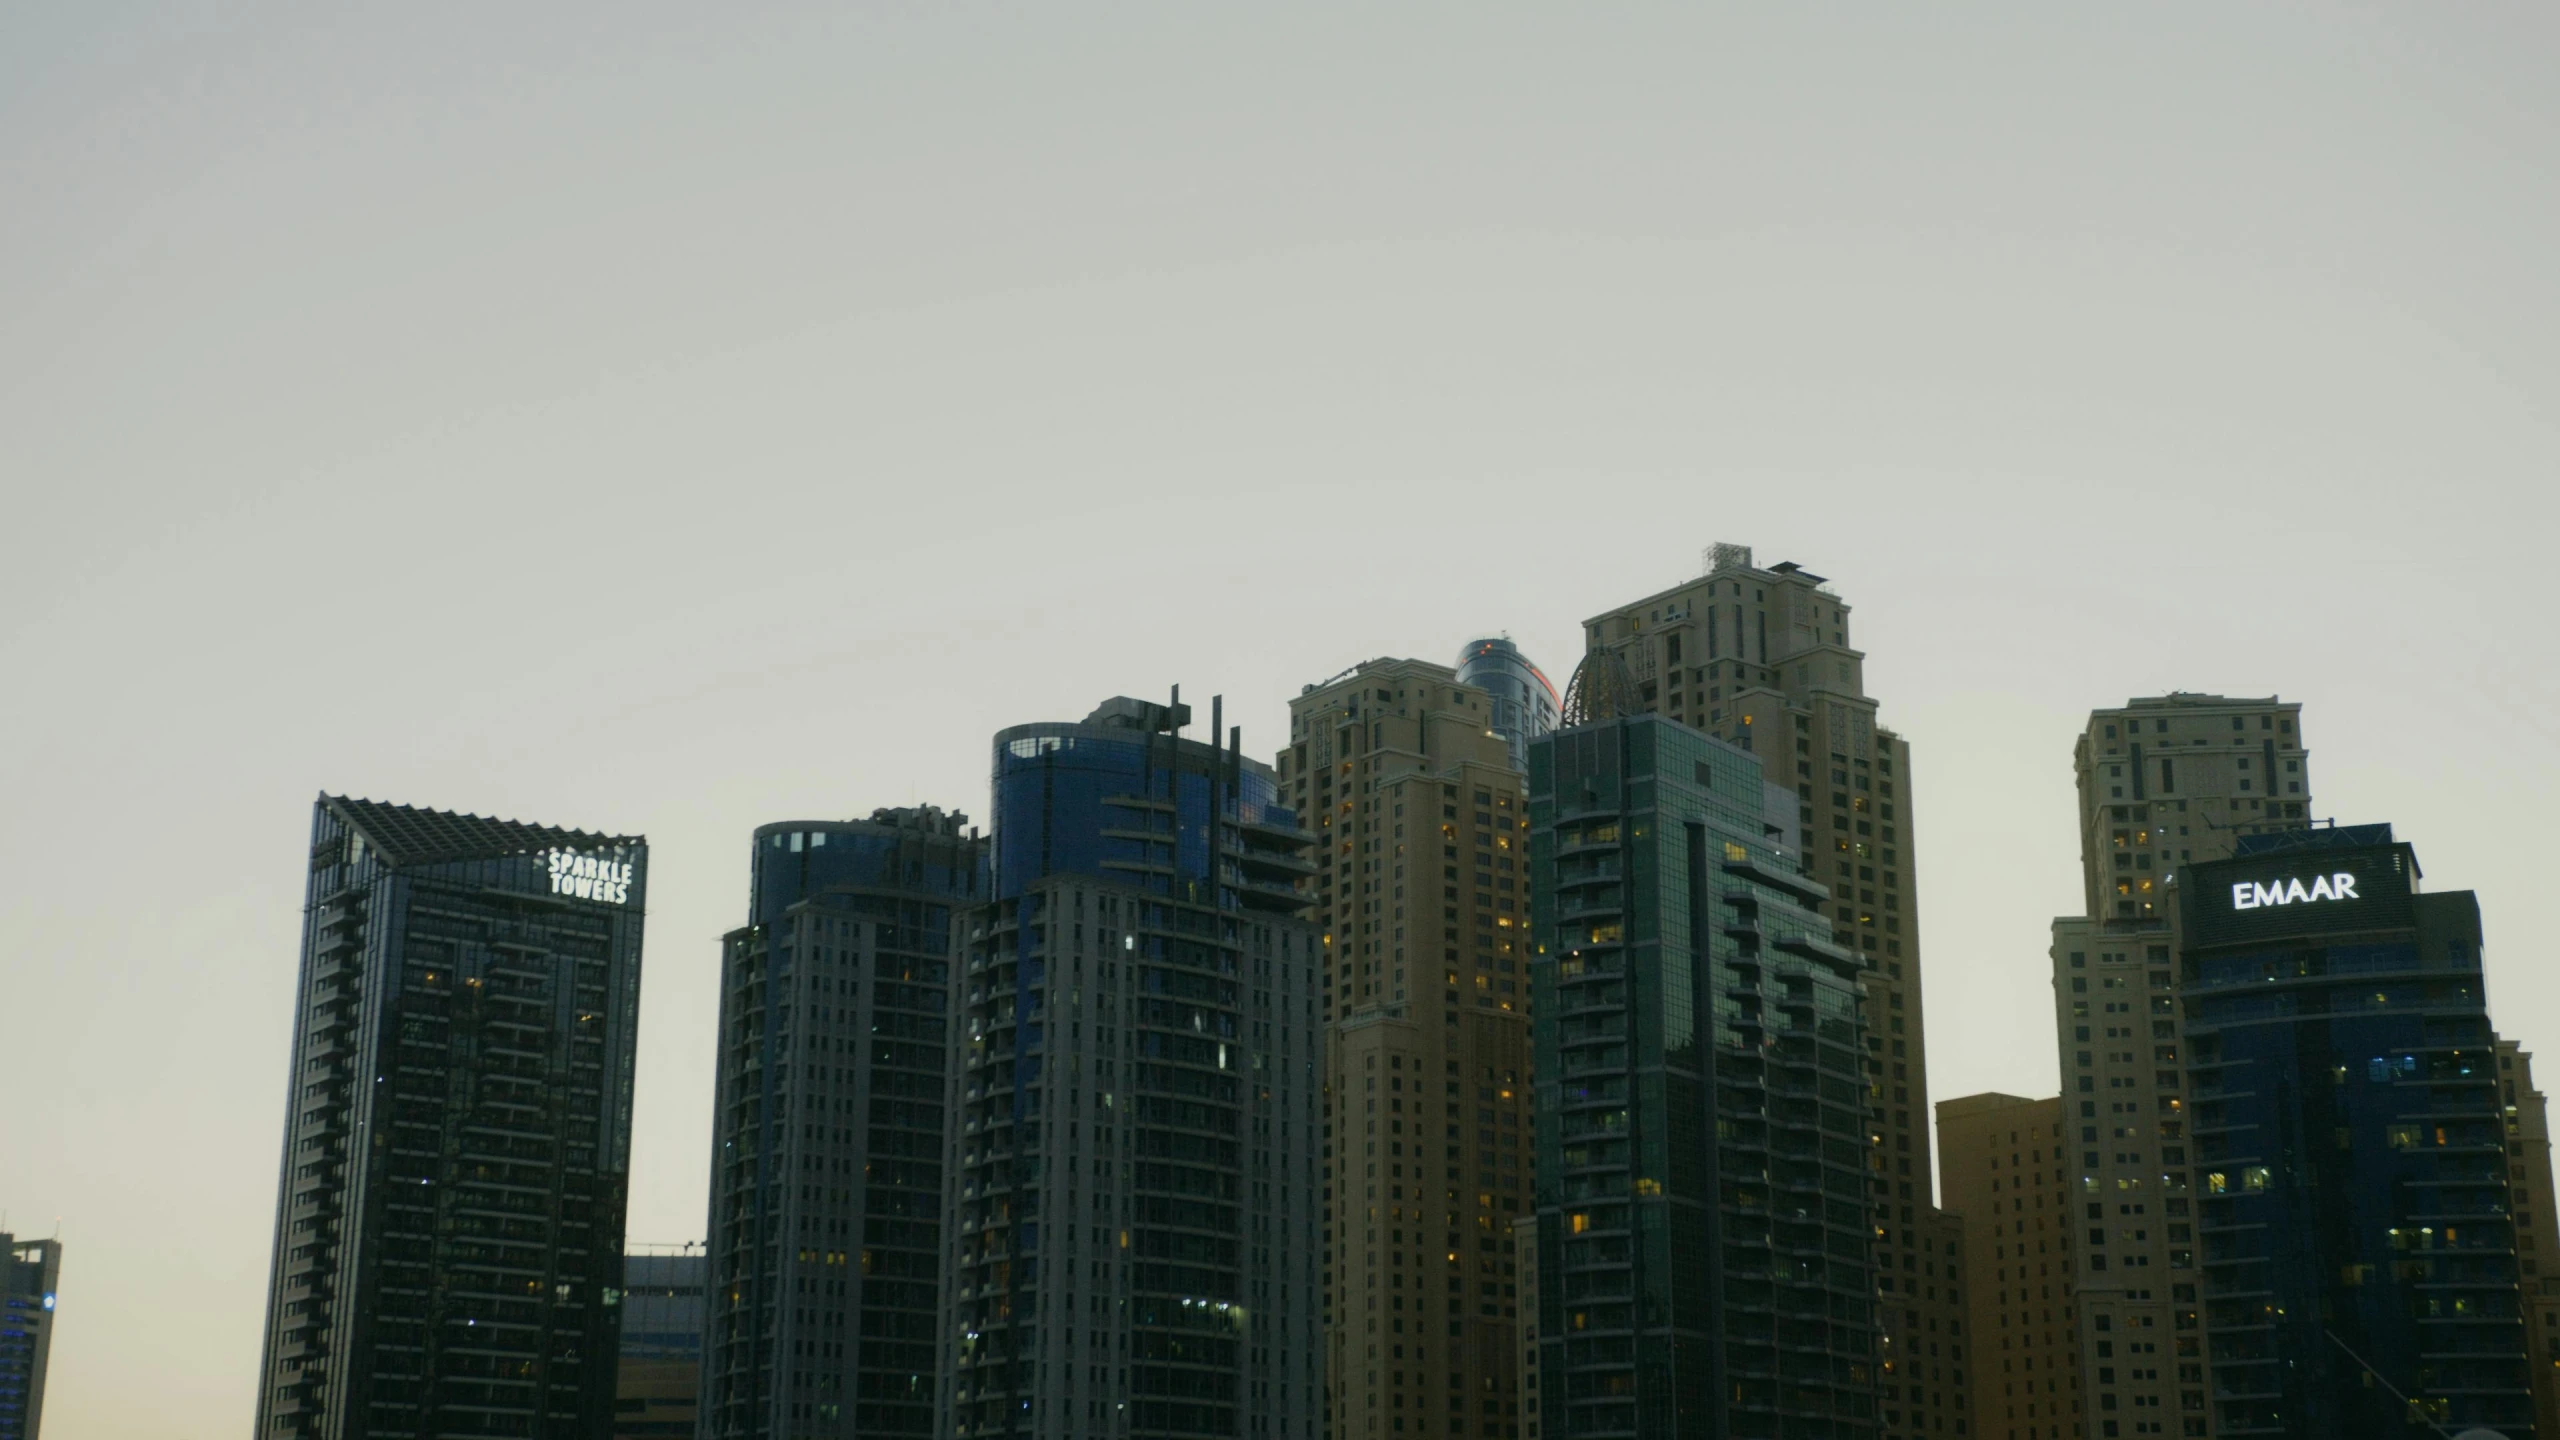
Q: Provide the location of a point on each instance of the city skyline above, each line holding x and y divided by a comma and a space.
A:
2063, 900
730, 423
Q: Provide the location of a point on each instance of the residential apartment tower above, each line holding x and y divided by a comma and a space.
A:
830, 1124
1421, 896
1761, 659
448, 1247
1134, 1175
1706, 1265
2164, 782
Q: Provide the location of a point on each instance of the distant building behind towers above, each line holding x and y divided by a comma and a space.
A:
657, 1389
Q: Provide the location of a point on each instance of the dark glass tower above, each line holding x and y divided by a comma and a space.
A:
448, 1254
1136, 1155
2351, 1171
33, 1277
1704, 1240
828, 1130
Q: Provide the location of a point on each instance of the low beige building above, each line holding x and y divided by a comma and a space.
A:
2003, 1166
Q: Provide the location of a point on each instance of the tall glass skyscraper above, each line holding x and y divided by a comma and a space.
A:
1524, 701
829, 1127
448, 1251
1704, 1233
2351, 1172
1134, 1173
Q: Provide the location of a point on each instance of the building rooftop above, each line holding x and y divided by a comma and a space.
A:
410, 836
2327, 837
2176, 698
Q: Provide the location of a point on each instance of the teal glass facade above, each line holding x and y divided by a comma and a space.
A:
1704, 1250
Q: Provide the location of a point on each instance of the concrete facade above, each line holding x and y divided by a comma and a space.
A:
2163, 782
1421, 893
2537, 1227
2004, 1167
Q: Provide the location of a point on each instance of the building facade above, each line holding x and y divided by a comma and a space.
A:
2163, 782
34, 1284
2004, 1167
1523, 700
2350, 1161
1705, 1226
1134, 1174
658, 1387
829, 1127
1421, 828
2537, 1227
448, 1246
1761, 658
1524, 1245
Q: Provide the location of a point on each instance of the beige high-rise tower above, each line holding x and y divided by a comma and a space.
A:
1762, 658
2164, 782
1422, 894
2004, 1168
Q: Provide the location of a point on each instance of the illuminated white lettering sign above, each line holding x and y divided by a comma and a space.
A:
2259, 894
589, 877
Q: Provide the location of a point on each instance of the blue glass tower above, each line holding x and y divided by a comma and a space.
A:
829, 1127
2351, 1169
1136, 1194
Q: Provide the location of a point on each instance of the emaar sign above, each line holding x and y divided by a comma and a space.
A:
2263, 894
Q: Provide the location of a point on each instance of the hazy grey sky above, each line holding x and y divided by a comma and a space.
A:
672, 420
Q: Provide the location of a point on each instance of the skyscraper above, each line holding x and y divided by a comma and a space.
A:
1523, 701
34, 1280
829, 1127
1761, 658
1421, 893
2164, 782
1704, 1220
658, 1382
448, 1250
1134, 1183
2350, 1166
2005, 1169
2537, 1228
